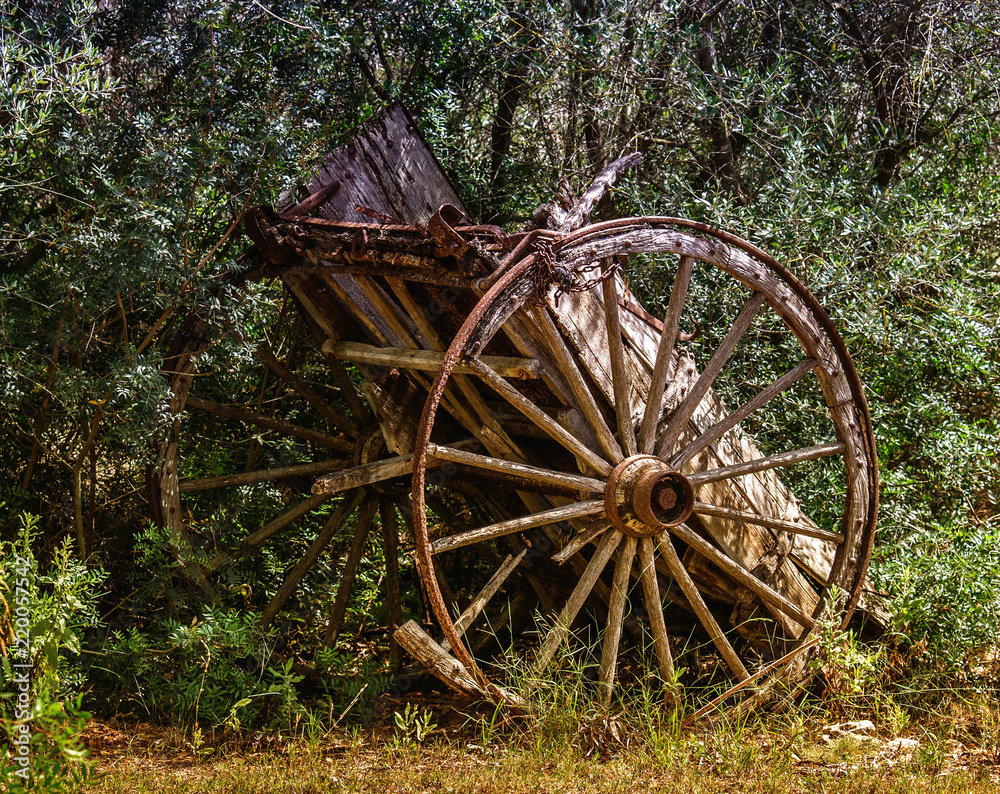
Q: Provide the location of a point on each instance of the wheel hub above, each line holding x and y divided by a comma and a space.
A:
644, 496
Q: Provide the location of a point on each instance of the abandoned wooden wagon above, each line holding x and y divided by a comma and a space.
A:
583, 481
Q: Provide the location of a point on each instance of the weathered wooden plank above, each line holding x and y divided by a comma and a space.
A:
387, 167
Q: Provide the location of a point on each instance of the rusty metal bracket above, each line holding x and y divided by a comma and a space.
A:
441, 228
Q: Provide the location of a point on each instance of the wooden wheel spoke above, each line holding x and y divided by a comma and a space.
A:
576, 510
312, 554
770, 462
329, 412
581, 539
489, 590
339, 609
576, 600
256, 538
260, 475
616, 614
269, 422
691, 592
771, 597
701, 386
390, 545
534, 473
654, 608
664, 355
585, 399
619, 373
741, 516
716, 432
551, 427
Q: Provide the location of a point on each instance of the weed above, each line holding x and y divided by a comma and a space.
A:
414, 725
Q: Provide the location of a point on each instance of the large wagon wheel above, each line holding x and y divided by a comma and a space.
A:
649, 491
275, 428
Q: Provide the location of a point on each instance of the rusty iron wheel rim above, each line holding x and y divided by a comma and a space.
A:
863, 532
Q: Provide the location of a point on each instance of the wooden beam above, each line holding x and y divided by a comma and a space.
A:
429, 360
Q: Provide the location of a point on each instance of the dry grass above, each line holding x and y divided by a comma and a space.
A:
603, 756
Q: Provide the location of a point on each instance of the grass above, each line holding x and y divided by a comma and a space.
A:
601, 753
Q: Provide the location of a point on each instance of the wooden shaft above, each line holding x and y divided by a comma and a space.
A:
616, 613
743, 517
584, 585
771, 597
664, 356
556, 514
312, 554
690, 590
654, 608
567, 365
770, 462
534, 473
716, 432
701, 386
261, 475
365, 474
339, 609
286, 428
439, 662
329, 412
619, 375
556, 431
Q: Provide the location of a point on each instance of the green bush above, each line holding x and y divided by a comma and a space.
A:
45, 610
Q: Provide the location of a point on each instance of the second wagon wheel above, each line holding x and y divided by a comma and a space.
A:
236, 479
654, 478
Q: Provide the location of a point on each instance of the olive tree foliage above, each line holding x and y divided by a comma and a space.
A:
856, 141
859, 143
134, 135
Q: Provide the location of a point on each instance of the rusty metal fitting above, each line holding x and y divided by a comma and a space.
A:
644, 496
